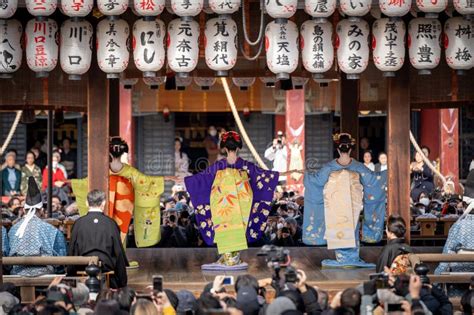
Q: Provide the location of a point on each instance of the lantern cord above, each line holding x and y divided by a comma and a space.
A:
235, 113
12, 132
247, 56
446, 183
244, 23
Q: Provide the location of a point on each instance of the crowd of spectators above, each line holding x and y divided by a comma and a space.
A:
385, 294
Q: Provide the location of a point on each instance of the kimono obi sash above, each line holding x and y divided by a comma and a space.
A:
231, 202
343, 203
121, 202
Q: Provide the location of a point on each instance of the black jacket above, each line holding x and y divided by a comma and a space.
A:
436, 301
95, 234
390, 251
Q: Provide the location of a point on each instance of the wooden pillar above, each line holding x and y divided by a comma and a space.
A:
126, 120
98, 131
114, 107
350, 110
398, 137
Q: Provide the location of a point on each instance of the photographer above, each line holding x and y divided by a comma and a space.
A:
284, 238
278, 154
172, 235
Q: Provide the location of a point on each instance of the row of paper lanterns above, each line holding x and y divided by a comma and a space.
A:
275, 8
282, 41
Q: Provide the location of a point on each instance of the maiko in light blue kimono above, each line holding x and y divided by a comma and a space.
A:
374, 202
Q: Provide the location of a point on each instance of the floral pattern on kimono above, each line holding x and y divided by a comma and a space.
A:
141, 195
262, 184
374, 184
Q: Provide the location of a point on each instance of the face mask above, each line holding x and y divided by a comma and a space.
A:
280, 226
425, 201
55, 165
213, 132
291, 215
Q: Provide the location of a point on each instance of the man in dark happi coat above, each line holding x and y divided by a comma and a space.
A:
95, 234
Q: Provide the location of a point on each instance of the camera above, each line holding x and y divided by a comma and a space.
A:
172, 218
278, 258
381, 280
274, 255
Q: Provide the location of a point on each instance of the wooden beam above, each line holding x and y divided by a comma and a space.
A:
398, 139
350, 110
98, 131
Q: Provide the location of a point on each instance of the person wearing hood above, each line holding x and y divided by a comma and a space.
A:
31, 236
396, 229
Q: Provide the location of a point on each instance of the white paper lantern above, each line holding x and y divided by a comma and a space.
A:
281, 9
424, 44
243, 83
352, 47
149, 46
113, 47
320, 9
41, 7
431, 7
388, 44
149, 7
8, 8
317, 51
464, 7
281, 45
112, 7
77, 8
75, 49
187, 8
154, 82
459, 43
224, 6
10, 46
183, 46
395, 8
221, 44
41, 42
205, 83
355, 8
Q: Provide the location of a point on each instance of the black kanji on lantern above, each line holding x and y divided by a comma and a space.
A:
183, 61
221, 28
75, 60
425, 53
354, 61
186, 29
283, 46
184, 45
463, 55
355, 30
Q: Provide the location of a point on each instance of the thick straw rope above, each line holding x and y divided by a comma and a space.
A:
235, 113
12, 132
428, 162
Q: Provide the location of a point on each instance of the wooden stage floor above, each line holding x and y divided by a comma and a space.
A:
181, 267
